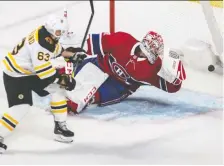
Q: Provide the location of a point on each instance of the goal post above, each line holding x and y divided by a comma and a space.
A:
214, 28
112, 16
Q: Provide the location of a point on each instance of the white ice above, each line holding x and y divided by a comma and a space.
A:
191, 138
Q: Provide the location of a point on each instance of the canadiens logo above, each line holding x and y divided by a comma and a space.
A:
119, 71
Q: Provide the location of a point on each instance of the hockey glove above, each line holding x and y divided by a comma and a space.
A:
66, 81
74, 55
172, 69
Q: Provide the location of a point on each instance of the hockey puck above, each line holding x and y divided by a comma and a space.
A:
211, 68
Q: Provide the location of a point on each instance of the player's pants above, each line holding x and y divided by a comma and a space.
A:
19, 96
111, 91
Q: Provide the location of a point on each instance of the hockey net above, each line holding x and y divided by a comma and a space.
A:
175, 20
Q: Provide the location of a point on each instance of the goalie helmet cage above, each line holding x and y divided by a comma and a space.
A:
208, 13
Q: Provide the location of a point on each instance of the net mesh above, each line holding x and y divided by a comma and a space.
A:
177, 21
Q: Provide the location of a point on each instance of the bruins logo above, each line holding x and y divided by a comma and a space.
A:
20, 96
49, 40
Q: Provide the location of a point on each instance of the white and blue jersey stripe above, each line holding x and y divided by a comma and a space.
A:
96, 44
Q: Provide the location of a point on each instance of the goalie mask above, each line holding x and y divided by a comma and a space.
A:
56, 26
152, 46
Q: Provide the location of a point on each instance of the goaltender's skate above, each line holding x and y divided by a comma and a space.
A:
62, 133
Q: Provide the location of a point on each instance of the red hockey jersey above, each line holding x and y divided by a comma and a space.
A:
116, 55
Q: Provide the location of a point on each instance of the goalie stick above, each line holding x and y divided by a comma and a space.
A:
87, 29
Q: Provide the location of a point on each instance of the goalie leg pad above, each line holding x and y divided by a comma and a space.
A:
88, 80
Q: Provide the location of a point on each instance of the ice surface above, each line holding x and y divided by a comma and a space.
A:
153, 128
152, 104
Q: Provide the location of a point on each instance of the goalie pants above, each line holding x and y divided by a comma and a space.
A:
19, 96
111, 91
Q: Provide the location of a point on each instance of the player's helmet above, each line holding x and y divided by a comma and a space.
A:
54, 24
152, 46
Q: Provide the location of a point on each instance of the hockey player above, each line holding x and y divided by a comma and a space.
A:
28, 68
122, 64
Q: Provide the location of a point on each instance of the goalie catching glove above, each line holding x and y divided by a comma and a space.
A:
172, 69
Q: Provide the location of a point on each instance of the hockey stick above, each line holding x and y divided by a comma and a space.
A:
68, 65
71, 67
90, 21
87, 29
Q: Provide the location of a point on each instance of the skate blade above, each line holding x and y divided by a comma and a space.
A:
61, 138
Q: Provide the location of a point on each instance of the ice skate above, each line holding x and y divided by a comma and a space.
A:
62, 133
